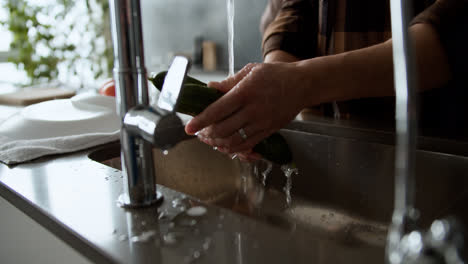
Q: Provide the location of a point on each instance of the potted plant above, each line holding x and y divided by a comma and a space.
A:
61, 40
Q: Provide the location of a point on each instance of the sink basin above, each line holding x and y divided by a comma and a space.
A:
343, 193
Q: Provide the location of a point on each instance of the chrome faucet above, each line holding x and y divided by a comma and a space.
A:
443, 242
142, 126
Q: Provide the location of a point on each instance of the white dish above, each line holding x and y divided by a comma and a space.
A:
81, 114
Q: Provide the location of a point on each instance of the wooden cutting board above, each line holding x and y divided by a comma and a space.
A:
35, 95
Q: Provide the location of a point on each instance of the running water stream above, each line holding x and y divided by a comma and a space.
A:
266, 172
230, 23
289, 169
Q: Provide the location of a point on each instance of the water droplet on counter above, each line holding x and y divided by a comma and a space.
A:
187, 222
206, 244
193, 257
143, 237
184, 220
162, 215
179, 203
196, 211
170, 238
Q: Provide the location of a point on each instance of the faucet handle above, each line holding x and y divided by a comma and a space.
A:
173, 83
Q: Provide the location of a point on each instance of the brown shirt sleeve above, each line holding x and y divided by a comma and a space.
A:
450, 19
291, 26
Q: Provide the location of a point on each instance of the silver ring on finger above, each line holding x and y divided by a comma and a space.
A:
242, 133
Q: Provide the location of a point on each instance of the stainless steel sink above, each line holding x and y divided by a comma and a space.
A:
343, 194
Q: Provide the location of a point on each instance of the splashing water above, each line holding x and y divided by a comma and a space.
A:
171, 238
288, 171
230, 22
255, 170
162, 215
206, 244
143, 237
179, 203
266, 172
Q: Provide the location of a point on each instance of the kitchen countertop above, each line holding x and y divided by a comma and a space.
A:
75, 197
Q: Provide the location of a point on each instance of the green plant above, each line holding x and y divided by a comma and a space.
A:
54, 39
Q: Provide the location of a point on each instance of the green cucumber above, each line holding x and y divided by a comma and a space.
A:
158, 80
195, 96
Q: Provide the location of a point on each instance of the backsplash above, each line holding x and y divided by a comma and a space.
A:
171, 26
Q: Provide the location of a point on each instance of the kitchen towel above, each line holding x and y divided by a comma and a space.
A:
58, 127
18, 151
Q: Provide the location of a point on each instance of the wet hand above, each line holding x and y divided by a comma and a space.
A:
260, 99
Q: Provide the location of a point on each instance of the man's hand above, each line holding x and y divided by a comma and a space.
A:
260, 99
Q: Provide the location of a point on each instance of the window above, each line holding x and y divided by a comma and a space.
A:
9, 74
5, 36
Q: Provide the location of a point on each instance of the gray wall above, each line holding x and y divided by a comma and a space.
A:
170, 26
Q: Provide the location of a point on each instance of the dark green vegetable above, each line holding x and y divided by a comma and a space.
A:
196, 96
158, 80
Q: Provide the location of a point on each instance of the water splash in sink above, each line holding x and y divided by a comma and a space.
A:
170, 238
143, 237
180, 203
266, 172
289, 170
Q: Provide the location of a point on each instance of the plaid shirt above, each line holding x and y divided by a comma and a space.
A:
312, 28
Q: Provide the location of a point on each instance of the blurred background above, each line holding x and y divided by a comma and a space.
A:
43, 41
